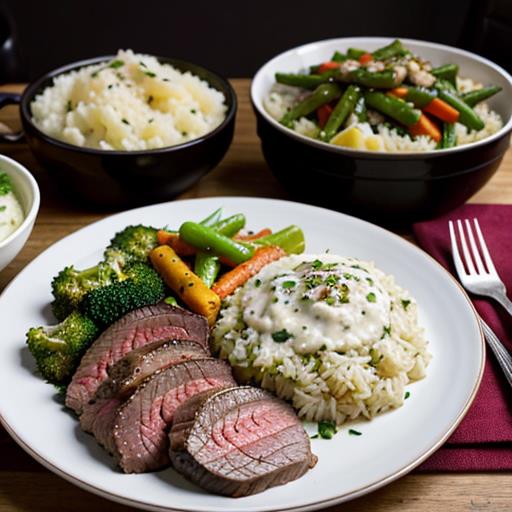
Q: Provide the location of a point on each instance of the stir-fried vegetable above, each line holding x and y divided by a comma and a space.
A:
390, 81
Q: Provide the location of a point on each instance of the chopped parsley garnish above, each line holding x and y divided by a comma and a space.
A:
110, 86
184, 134
313, 282
289, 284
370, 281
193, 111
257, 283
150, 120
387, 331
125, 121
358, 267
166, 79
407, 395
352, 432
274, 300
314, 437
3, 208
116, 64
405, 303
150, 99
371, 297
5, 184
327, 429
69, 106
332, 280
330, 300
317, 264
349, 276
281, 336
150, 74
142, 64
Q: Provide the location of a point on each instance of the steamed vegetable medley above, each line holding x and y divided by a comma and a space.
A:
196, 266
386, 100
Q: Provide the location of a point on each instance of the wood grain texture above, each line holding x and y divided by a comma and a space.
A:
25, 486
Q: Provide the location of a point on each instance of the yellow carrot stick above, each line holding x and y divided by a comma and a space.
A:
187, 285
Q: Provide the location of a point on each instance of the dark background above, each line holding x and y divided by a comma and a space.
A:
234, 37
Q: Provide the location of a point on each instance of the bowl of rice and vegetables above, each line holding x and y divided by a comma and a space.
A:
129, 128
384, 128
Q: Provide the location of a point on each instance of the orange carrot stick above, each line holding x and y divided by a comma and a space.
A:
328, 66
323, 113
365, 58
425, 127
442, 110
399, 92
254, 236
235, 278
173, 240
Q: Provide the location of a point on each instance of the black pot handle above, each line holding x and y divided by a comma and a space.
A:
10, 98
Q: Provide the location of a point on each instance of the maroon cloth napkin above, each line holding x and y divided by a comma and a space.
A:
483, 440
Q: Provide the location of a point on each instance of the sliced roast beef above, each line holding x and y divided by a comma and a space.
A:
139, 439
239, 441
128, 373
136, 329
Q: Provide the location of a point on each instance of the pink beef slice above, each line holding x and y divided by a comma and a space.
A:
136, 329
139, 437
239, 441
127, 374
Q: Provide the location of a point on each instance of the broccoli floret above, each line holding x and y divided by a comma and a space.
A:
58, 349
132, 244
70, 286
5, 184
142, 287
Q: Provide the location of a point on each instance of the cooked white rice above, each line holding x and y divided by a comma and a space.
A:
335, 336
282, 98
131, 103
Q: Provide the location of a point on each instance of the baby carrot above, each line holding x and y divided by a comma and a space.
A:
189, 287
235, 278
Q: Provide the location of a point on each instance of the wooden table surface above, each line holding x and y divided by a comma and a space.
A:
25, 486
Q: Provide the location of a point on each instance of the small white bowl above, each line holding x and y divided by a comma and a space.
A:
26, 190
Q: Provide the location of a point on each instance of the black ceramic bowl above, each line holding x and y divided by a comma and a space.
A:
387, 187
124, 178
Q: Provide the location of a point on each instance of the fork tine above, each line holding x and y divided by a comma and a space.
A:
474, 249
459, 266
465, 250
487, 257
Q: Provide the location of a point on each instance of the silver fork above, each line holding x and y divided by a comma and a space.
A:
482, 280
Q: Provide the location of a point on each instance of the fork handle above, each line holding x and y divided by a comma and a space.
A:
504, 301
502, 354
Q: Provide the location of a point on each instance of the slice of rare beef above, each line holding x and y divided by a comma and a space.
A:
127, 374
136, 329
239, 441
139, 439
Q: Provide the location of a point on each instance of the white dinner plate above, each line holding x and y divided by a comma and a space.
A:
348, 466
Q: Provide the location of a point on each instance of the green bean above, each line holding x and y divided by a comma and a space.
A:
447, 72
467, 115
231, 225
290, 239
341, 111
206, 267
171, 301
449, 139
208, 240
393, 107
379, 80
420, 96
445, 85
355, 53
393, 49
360, 110
338, 57
212, 218
478, 95
323, 94
301, 80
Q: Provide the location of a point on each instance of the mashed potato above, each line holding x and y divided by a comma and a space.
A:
130, 103
334, 335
